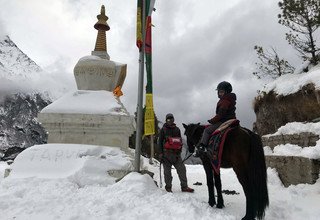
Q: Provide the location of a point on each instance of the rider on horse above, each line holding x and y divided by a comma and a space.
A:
225, 110
241, 150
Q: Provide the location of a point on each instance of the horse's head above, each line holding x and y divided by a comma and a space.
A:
193, 133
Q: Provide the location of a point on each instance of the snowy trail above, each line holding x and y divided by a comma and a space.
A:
234, 204
137, 197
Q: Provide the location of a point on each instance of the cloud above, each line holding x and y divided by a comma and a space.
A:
195, 46
2, 30
187, 67
53, 84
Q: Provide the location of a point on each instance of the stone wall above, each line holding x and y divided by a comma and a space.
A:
304, 139
293, 169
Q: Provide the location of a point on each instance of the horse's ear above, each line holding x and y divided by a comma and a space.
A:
198, 123
184, 125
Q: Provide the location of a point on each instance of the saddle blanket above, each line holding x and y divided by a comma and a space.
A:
216, 143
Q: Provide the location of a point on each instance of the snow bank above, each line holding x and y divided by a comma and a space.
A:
134, 197
81, 164
3, 167
291, 83
294, 150
296, 128
87, 102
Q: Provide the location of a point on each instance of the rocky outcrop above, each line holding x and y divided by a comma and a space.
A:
19, 127
291, 98
273, 111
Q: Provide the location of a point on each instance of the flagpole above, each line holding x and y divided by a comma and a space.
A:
140, 93
151, 149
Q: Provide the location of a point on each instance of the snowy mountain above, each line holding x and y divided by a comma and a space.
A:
19, 107
14, 63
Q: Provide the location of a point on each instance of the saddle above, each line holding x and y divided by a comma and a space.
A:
216, 142
230, 123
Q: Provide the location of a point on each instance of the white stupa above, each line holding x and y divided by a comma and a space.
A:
94, 113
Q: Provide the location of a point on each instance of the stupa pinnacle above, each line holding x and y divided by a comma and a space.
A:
98, 72
100, 49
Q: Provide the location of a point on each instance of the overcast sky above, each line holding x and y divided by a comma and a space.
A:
196, 44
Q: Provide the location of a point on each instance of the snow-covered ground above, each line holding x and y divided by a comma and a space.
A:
57, 182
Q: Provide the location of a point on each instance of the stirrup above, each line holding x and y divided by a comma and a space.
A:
201, 147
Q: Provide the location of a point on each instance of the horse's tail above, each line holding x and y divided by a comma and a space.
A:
258, 176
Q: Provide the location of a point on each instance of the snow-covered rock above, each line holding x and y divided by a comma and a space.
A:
291, 97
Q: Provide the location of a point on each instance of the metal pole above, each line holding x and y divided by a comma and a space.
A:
151, 149
140, 93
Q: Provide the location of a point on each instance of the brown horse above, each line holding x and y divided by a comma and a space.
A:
243, 151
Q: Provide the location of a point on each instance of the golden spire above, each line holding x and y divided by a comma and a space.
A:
102, 27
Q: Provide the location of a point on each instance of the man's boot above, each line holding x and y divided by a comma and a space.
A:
187, 189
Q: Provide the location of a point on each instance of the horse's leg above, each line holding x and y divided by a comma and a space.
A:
217, 183
244, 181
209, 174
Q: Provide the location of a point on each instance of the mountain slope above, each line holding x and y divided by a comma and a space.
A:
19, 128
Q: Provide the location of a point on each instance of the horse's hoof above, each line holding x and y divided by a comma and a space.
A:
211, 203
220, 206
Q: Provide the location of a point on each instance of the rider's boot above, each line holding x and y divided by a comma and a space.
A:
200, 148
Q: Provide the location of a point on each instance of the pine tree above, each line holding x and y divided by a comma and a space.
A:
303, 18
270, 64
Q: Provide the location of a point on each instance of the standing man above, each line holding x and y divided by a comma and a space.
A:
170, 144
